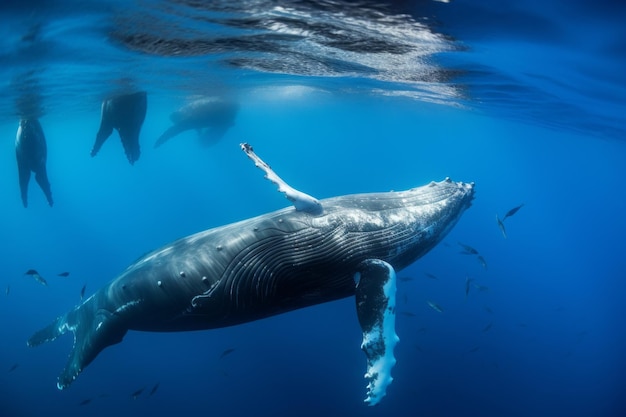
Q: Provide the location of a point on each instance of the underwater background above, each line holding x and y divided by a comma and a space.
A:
525, 99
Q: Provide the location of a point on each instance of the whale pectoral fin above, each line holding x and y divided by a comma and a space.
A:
24, 177
376, 310
130, 142
300, 200
106, 128
131, 113
92, 333
170, 133
41, 176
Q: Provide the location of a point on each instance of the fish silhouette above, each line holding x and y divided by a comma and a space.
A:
137, 393
512, 211
227, 352
33, 273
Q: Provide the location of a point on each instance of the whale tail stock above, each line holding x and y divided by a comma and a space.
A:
93, 331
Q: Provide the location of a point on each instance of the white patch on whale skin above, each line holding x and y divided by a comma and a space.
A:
64, 328
126, 306
150, 257
378, 372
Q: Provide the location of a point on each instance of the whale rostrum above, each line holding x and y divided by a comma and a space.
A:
315, 252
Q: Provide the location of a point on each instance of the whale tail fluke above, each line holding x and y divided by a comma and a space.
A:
92, 333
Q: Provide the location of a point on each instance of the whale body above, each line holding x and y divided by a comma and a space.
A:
125, 113
211, 117
31, 153
267, 265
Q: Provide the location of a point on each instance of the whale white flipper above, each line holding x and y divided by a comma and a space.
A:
376, 309
300, 200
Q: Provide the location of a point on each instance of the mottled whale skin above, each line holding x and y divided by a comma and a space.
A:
31, 153
259, 267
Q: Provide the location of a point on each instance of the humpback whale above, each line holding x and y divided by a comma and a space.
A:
210, 116
125, 113
31, 152
315, 252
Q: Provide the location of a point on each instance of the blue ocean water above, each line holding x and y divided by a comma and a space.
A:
526, 100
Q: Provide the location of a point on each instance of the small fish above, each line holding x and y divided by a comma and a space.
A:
480, 287
154, 389
487, 327
431, 276
467, 250
405, 279
482, 261
512, 211
36, 276
85, 402
468, 282
13, 367
406, 299
474, 349
8, 290
82, 292
407, 313
63, 274
418, 348
137, 393
421, 330
501, 226
435, 306
227, 352
488, 310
